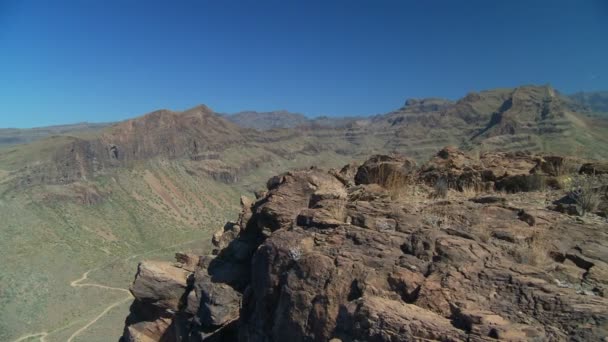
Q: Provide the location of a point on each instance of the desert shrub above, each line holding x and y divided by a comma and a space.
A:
441, 188
586, 192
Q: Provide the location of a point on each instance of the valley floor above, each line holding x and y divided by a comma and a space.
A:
97, 319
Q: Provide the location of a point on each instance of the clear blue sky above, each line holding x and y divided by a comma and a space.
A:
93, 60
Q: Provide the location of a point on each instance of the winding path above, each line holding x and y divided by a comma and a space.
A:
85, 275
42, 335
78, 283
112, 306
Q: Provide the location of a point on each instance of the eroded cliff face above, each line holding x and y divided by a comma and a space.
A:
376, 253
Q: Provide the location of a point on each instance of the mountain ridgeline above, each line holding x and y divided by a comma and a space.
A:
529, 117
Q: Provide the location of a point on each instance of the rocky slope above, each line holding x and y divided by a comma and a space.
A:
459, 249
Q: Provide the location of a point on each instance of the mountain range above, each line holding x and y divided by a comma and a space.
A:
90, 200
590, 103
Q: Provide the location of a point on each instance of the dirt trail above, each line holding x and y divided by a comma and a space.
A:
42, 335
103, 313
77, 283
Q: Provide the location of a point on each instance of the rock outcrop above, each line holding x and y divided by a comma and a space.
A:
337, 256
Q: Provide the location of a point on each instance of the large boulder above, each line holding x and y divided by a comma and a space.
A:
288, 194
160, 284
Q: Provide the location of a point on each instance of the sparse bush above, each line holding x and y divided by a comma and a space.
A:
441, 188
586, 193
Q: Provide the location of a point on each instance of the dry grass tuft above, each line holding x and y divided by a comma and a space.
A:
397, 182
337, 210
534, 252
470, 191
399, 185
586, 192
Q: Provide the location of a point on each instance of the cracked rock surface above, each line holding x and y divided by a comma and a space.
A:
333, 255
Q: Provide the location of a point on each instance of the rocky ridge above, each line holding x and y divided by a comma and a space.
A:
374, 252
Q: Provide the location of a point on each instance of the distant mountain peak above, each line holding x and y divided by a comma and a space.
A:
594, 101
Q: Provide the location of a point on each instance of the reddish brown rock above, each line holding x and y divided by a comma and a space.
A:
383, 320
160, 284
158, 330
318, 259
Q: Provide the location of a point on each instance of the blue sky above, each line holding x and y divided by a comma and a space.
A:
92, 60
